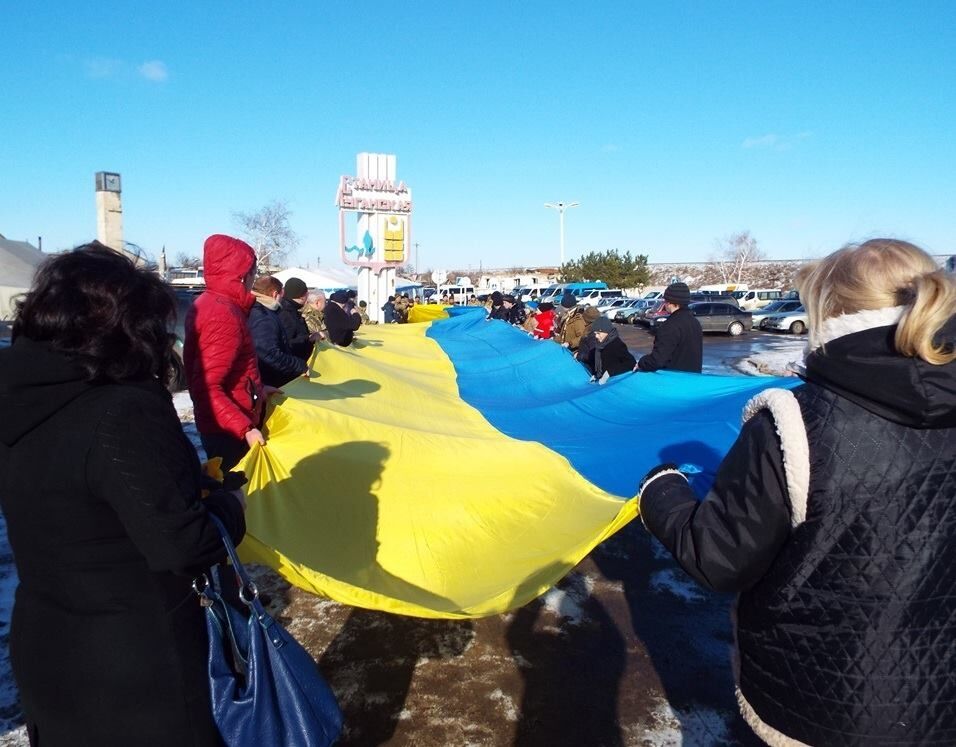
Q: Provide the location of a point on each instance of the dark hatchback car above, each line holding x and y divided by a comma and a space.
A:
717, 317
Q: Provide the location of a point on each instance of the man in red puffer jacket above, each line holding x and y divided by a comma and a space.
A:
219, 356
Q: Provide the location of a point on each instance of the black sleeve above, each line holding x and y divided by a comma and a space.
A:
266, 335
296, 330
142, 465
666, 340
727, 541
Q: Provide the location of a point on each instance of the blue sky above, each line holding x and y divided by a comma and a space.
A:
674, 124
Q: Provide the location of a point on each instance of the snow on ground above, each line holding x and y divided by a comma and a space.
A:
780, 359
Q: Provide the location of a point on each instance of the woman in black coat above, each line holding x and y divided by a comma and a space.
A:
834, 515
602, 351
102, 495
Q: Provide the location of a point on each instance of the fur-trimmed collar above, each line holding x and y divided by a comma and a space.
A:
847, 324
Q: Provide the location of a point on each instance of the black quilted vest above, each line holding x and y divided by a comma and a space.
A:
850, 639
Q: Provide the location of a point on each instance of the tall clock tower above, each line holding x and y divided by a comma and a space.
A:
109, 210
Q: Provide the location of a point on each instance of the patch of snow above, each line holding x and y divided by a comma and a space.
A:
783, 359
678, 583
658, 550
567, 601
511, 712
184, 406
701, 727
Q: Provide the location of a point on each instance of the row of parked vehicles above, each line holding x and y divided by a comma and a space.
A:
716, 312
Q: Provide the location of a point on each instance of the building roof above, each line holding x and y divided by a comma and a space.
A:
18, 262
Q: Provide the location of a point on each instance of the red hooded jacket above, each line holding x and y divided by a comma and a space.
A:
544, 321
218, 353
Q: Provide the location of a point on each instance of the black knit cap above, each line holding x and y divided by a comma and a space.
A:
295, 288
545, 306
602, 324
340, 296
677, 293
568, 301
496, 297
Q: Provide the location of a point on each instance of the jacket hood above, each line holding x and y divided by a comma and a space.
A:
865, 367
35, 383
226, 261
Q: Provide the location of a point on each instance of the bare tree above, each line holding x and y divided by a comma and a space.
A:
268, 232
735, 255
184, 260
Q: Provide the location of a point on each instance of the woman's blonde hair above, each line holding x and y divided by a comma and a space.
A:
877, 274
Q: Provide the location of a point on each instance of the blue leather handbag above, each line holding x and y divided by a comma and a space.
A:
265, 688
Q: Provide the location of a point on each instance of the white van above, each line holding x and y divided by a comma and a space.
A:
757, 298
600, 296
459, 293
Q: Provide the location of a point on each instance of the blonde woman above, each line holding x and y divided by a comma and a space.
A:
834, 515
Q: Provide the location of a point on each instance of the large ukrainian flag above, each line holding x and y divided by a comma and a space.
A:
458, 468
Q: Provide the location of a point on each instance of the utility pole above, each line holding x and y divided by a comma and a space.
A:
561, 207
416, 257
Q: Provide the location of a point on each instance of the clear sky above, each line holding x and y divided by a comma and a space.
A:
674, 124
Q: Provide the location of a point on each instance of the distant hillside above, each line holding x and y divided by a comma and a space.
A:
766, 274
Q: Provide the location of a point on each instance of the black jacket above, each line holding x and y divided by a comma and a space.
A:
101, 492
611, 356
296, 330
678, 345
834, 516
340, 324
277, 364
517, 314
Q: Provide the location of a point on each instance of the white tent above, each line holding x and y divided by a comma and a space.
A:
404, 285
328, 278
18, 262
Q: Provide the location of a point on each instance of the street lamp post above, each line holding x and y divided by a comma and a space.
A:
561, 207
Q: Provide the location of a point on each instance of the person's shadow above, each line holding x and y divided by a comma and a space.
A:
571, 673
370, 663
685, 628
316, 392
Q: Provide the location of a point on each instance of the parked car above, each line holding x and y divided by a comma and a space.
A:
609, 307
777, 307
651, 314
721, 297
795, 322
715, 317
629, 312
184, 301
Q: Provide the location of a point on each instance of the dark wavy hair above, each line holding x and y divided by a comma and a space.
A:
93, 305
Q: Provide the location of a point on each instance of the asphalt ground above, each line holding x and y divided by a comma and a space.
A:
720, 350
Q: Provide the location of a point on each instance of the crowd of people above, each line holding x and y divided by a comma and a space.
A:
594, 340
833, 515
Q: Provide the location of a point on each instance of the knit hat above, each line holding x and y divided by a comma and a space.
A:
677, 293
295, 288
363, 304
568, 301
601, 324
591, 313
496, 297
339, 296
509, 298
546, 306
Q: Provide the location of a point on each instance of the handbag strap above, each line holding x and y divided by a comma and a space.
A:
247, 586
